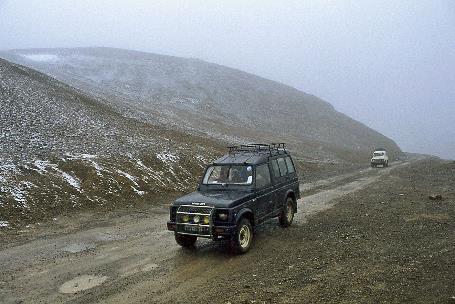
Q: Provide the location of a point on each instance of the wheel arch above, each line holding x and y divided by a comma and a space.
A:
245, 213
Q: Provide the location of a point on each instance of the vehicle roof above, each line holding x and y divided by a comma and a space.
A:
252, 158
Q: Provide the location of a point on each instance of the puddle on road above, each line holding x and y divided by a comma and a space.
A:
78, 247
81, 283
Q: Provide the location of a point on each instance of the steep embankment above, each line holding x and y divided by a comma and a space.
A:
61, 149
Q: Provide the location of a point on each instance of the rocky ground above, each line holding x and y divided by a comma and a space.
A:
369, 236
385, 243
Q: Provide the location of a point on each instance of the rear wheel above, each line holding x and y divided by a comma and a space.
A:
243, 237
287, 215
186, 241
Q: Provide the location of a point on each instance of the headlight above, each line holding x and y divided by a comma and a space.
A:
206, 220
185, 218
196, 219
223, 216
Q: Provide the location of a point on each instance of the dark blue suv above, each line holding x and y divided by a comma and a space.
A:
247, 186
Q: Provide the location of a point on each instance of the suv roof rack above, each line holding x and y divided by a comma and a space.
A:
272, 149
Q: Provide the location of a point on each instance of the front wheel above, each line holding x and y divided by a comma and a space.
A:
287, 215
243, 237
186, 241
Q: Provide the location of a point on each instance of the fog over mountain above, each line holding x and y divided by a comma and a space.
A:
387, 64
199, 97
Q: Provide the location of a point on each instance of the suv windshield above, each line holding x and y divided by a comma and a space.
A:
229, 174
378, 153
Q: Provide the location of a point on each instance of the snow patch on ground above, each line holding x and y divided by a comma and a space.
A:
133, 179
141, 164
42, 57
80, 156
41, 165
138, 192
128, 176
97, 167
73, 181
10, 186
88, 158
19, 196
167, 157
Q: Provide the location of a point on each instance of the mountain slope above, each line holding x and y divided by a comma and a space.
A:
214, 100
61, 149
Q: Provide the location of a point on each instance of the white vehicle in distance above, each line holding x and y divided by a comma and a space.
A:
380, 158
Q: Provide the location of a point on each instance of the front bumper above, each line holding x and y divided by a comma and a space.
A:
216, 232
378, 161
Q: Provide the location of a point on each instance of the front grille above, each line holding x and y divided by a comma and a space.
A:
195, 209
194, 220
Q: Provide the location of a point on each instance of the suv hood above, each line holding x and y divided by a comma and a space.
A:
224, 199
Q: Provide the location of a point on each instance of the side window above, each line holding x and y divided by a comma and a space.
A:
262, 176
289, 165
282, 165
276, 171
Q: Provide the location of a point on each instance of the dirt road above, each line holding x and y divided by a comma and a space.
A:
132, 258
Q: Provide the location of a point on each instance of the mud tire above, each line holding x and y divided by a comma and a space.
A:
243, 237
287, 214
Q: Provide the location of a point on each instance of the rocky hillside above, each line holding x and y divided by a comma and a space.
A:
203, 98
62, 149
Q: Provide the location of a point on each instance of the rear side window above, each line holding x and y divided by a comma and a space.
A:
289, 165
262, 176
282, 166
276, 171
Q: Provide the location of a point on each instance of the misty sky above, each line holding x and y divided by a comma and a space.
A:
388, 64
